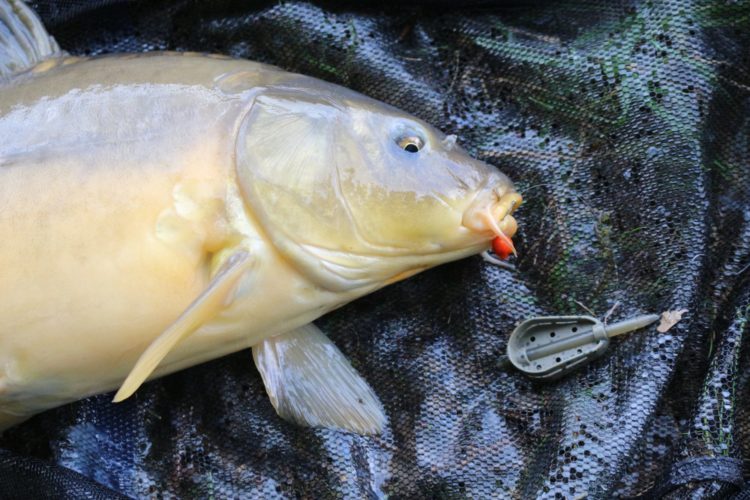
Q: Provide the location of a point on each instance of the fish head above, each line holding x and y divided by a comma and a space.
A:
358, 194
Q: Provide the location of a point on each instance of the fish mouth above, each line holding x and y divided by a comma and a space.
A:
491, 214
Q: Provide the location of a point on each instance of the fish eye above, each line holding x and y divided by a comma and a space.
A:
411, 143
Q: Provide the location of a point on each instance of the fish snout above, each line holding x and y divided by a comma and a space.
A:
491, 214
502, 211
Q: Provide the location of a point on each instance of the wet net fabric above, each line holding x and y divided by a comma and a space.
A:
626, 126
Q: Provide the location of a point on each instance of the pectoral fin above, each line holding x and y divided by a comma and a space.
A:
205, 307
311, 383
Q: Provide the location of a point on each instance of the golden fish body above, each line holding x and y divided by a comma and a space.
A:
191, 206
112, 219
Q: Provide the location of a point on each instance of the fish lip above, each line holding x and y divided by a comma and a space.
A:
490, 212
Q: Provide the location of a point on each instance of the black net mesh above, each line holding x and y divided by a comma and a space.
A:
626, 126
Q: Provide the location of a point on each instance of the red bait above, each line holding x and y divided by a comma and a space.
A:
502, 247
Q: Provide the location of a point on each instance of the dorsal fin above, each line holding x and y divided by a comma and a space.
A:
23, 40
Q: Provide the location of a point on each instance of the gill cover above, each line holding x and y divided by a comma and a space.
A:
323, 172
285, 170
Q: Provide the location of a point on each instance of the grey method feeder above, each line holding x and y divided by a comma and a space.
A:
547, 348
